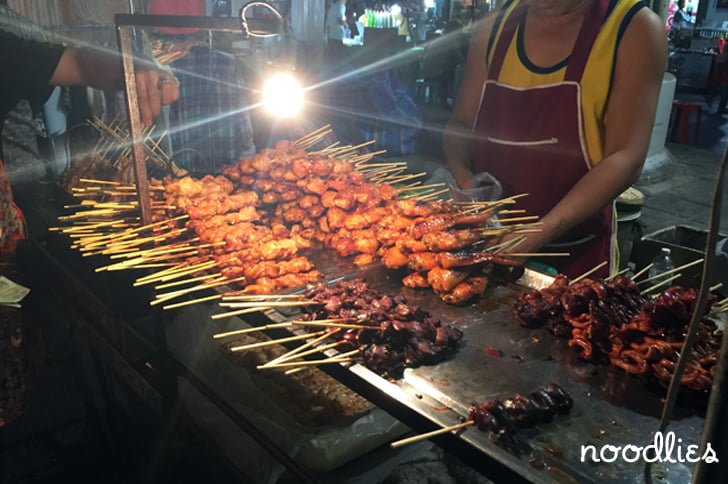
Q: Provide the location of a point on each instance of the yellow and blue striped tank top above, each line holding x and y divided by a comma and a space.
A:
518, 71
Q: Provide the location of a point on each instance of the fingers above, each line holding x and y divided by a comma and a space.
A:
155, 89
170, 89
153, 93
145, 111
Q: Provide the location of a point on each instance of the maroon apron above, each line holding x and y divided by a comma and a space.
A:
532, 141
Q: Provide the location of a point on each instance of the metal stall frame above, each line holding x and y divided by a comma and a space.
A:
125, 24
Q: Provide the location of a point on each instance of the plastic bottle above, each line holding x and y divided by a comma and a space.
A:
662, 263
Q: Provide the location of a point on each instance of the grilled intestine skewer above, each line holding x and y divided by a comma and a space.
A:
501, 418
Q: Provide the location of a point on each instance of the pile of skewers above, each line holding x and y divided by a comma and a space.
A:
245, 229
616, 321
501, 418
383, 332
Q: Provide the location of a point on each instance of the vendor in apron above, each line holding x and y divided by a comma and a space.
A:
30, 67
558, 101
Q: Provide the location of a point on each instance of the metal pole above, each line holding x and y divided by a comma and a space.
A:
135, 123
716, 419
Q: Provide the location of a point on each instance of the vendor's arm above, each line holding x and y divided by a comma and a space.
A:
459, 131
640, 66
103, 70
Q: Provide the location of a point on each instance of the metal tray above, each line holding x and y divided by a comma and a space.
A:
611, 407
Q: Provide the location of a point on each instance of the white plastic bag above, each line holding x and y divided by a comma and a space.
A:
485, 187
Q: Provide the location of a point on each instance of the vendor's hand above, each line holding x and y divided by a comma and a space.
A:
464, 179
154, 90
532, 243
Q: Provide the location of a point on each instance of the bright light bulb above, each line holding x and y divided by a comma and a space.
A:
283, 95
429, 3
395, 9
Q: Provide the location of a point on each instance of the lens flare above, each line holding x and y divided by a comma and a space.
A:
283, 95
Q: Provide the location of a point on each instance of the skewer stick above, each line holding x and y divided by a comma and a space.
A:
431, 196
254, 329
333, 359
362, 158
644, 269
516, 219
511, 212
347, 149
716, 287
537, 254
404, 178
663, 283
300, 350
177, 275
289, 364
672, 271
332, 325
272, 342
588, 273
273, 304
623, 271
175, 294
295, 370
301, 354
188, 281
100, 182
508, 244
434, 433
312, 133
230, 314
151, 253
155, 224
367, 168
247, 297
191, 302
423, 187
152, 266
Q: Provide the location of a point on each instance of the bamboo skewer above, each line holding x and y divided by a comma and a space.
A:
246, 297
509, 244
301, 354
716, 287
328, 324
644, 269
177, 274
274, 342
537, 254
253, 329
191, 302
434, 433
431, 196
423, 187
297, 364
219, 281
662, 283
100, 182
230, 314
672, 271
312, 134
588, 273
623, 271
516, 219
309, 344
188, 281
277, 304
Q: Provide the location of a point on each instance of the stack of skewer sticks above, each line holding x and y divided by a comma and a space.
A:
293, 361
107, 223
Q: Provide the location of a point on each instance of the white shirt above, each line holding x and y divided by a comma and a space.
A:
334, 29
